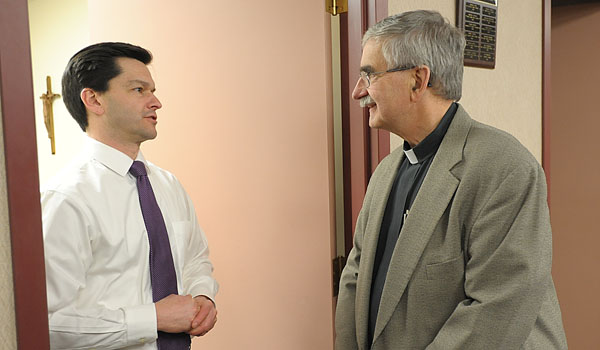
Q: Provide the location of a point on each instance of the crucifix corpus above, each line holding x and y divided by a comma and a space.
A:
48, 99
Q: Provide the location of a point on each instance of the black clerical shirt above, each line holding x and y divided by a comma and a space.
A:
410, 176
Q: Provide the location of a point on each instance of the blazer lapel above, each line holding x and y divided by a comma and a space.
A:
432, 200
381, 192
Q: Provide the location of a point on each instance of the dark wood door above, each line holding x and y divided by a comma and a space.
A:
363, 147
23, 196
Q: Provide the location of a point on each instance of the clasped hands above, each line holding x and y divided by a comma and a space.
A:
182, 313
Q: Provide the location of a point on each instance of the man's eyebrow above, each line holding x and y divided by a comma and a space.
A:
144, 83
366, 69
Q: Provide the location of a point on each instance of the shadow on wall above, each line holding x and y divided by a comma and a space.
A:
574, 12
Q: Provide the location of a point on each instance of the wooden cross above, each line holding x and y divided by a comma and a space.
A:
48, 99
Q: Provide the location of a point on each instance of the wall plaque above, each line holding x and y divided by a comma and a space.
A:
479, 21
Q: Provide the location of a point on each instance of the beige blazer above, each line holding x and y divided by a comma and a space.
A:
471, 267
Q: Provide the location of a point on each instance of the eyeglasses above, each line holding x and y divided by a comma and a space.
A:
366, 76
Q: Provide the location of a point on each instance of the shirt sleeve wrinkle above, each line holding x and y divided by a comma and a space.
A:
197, 272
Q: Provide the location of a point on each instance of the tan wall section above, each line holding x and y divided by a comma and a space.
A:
575, 170
508, 96
8, 331
247, 127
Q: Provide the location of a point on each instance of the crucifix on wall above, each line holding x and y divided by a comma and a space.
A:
48, 99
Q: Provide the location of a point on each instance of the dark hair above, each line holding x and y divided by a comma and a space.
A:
93, 67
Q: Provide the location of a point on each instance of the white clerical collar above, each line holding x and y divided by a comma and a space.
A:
412, 157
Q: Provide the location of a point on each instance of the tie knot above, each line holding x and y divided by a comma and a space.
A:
138, 169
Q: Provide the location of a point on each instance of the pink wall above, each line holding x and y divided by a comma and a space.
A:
575, 170
246, 126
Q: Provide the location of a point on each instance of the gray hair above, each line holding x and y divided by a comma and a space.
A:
423, 38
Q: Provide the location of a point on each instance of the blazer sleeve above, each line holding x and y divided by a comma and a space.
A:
345, 321
345, 315
508, 262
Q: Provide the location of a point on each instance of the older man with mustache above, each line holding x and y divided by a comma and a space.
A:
453, 245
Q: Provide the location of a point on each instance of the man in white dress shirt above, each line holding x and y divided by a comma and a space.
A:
96, 242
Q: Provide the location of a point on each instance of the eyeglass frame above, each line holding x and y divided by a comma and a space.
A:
366, 76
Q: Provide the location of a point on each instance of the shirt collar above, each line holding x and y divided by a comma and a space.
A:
110, 157
432, 142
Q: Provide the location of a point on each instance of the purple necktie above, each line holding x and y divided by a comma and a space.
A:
162, 270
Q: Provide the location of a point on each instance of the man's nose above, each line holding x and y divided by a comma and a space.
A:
360, 90
155, 103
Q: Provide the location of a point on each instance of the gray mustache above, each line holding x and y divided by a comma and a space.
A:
365, 101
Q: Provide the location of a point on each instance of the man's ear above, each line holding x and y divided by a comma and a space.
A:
91, 101
421, 79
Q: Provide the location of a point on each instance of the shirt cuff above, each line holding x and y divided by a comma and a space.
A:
141, 324
207, 297
209, 290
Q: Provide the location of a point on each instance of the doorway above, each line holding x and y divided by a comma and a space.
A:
575, 170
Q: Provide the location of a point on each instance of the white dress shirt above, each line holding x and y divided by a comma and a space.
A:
97, 252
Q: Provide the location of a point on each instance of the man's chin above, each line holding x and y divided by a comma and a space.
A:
149, 136
374, 122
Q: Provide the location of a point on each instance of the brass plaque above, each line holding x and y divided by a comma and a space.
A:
479, 20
